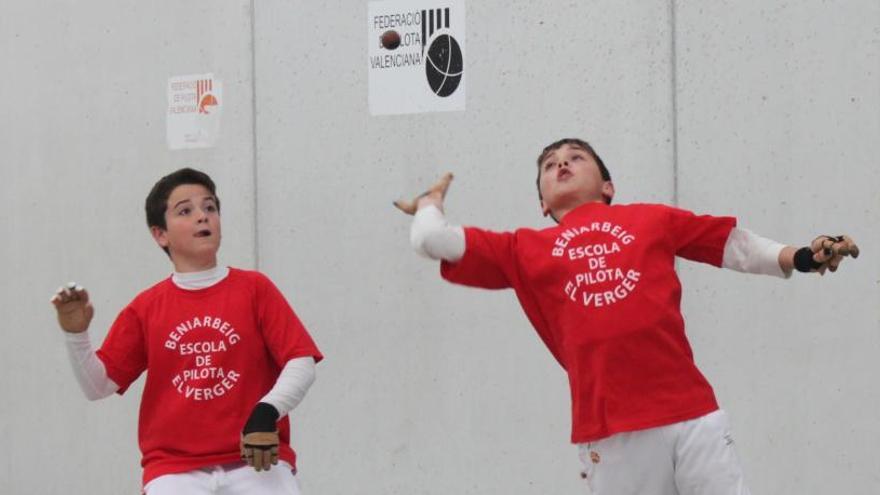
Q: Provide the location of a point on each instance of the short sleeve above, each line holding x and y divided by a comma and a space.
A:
124, 349
699, 237
488, 260
284, 334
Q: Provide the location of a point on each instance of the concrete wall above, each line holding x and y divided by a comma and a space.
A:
82, 134
766, 110
779, 123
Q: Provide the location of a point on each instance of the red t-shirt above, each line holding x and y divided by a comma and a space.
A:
210, 356
601, 290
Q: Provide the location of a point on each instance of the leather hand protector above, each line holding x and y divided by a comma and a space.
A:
259, 440
259, 449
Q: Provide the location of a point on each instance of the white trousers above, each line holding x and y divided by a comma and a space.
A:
694, 457
236, 479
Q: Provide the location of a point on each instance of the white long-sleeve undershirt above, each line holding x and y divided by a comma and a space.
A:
748, 252
432, 236
88, 369
289, 390
294, 381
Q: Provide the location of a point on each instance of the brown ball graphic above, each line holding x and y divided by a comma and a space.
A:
390, 39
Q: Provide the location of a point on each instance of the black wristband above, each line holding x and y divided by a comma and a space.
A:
804, 262
263, 419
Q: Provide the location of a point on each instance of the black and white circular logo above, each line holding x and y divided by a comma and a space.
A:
444, 65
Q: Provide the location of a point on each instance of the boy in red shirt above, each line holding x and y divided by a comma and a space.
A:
601, 290
225, 355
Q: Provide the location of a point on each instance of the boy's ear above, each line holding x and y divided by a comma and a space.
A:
160, 235
608, 190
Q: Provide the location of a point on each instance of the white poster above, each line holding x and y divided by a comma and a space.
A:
195, 104
416, 57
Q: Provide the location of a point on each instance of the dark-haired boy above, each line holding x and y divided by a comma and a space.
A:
225, 355
601, 290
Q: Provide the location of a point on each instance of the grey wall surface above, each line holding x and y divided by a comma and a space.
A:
765, 110
779, 124
82, 134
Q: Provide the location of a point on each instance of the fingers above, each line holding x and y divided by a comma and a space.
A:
831, 250
847, 247
835, 245
258, 461
822, 245
69, 293
89, 312
408, 207
73, 308
834, 262
437, 189
260, 450
442, 185
260, 458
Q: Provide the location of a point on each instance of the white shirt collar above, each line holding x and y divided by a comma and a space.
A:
200, 280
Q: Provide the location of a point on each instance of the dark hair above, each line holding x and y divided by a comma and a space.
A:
579, 143
157, 200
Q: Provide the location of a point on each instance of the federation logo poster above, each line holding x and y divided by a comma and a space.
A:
195, 104
416, 57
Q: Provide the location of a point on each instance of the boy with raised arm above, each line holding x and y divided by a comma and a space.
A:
225, 355
601, 290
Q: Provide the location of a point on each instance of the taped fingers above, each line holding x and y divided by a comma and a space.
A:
834, 262
846, 247
835, 245
822, 246
829, 251
67, 293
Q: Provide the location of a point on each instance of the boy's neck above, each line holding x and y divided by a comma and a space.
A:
188, 266
559, 213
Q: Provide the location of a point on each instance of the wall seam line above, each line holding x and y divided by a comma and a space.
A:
254, 157
673, 76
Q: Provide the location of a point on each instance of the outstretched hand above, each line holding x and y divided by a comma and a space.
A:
74, 310
830, 251
434, 195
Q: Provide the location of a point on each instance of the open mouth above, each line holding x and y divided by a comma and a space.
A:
203, 233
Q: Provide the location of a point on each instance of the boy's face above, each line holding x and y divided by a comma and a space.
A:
192, 232
570, 177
